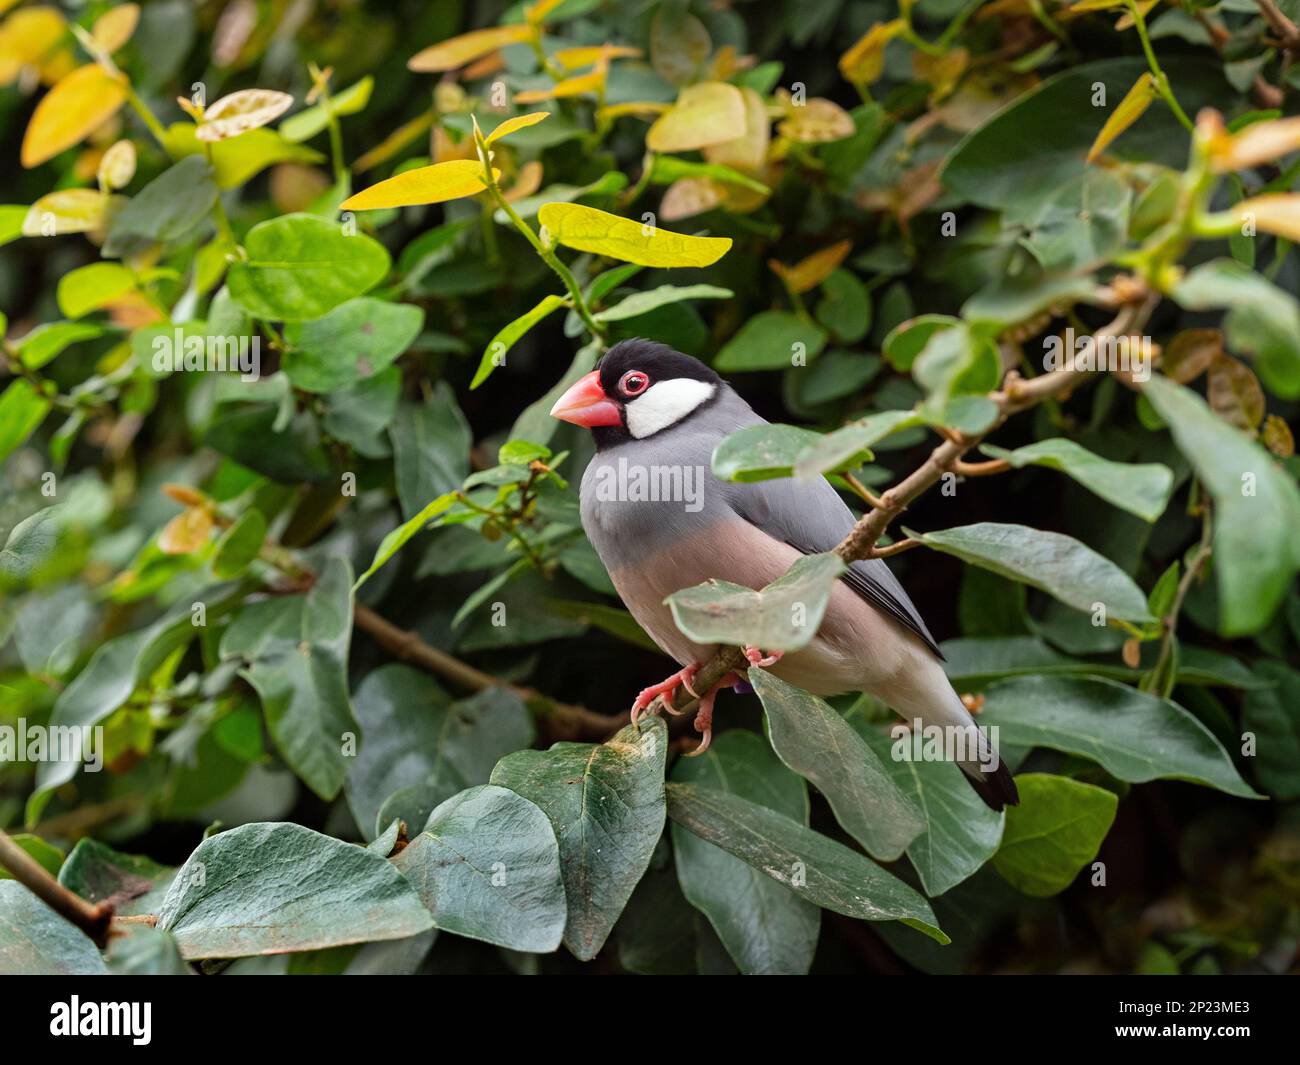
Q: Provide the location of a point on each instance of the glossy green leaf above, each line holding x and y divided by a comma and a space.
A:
771, 340
606, 804
1053, 833
88, 288
239, 545
494, 354
639, 303
1272, 716
355, 341
761, 452
168, 208
22, 409
431, 443
851, 444
394, 541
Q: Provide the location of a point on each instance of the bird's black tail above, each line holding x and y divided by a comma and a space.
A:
997, 787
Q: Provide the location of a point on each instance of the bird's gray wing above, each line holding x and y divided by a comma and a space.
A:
810, 516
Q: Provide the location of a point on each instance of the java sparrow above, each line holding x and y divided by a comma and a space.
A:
656, 416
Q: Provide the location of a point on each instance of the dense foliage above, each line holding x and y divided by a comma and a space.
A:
282, 511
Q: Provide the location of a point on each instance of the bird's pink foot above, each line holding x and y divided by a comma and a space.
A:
757, 658
704, 718
667, 688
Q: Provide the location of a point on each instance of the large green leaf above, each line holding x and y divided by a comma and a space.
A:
295, 652
771, 340
418, 748
1133, 735
820, 870
1053, 833
766, 927
275, 888
22, 409
639, 303
761, 452
36, 941
166, 209
961, 832
784, 616
356, 340
818, 744
301, 267
1058, 564
1256, 507
606, 804
1273, 716
431, 443
851, 444
488, 867
1140, 488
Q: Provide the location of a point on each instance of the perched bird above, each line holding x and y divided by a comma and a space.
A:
661, 521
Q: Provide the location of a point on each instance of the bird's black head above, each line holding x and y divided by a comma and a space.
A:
640, 388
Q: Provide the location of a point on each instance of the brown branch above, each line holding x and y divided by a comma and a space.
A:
91, 918
1170, 621
1016, 395
980, 469
561, 721
1280, 24
894, 549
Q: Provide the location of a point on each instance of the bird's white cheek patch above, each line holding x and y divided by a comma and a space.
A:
665, 403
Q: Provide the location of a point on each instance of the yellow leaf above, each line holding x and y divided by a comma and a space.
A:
538, 12
816, 121
639, 108
865, 61
587, 229
86, 98
690, 196
711, 112
583, 83
576, 58
808, 273
66, 211
457, 51
187, 532
1260, 142
114, 27
27, 38
1130, 109
241, 111
1275, 212
427, 184
748, 152
117, 167
511, 125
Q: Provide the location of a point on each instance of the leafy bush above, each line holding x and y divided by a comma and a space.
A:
285, 517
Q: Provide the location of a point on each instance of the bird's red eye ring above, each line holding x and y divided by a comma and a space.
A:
633, 383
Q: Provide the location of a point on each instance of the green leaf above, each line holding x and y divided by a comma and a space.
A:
45, 342
1053, 833
771, 340
818, 744
784, 616
394, 541
46, 855
845, 307
431, 443
277, 888
1132, 735
1058, 564
295, 650
487, 866
22, 409
606, 804
908, 339
239, 545
1262, 320
766, 927
168, 208
670, 168
818, 869
312, 120
134, 884
1273, 716
418, 748
639, 303
30, 545
355, 341
1256, 507
761, 452
1140, 488
89, 288
960, 832
138, 950
301, 267
494, 354
850, 445
36, 941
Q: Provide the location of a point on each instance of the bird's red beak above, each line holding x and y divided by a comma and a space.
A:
586, 404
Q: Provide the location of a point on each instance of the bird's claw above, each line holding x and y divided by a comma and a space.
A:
755, 657
667, 688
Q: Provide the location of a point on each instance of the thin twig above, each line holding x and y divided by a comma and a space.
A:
91, 918
1194, 567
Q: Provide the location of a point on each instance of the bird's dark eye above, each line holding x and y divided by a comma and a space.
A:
633, 383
